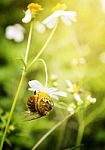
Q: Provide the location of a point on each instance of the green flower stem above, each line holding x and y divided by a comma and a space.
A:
95, 113
18, 90
80, 134
61, 136
43, 48
28, 44
12, 110
46, 71
50, 131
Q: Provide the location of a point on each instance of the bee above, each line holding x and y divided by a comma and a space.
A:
39, 105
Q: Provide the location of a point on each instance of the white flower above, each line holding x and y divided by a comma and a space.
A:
70, 85
67, 18
71, 108
77, 98
40, 27
32, 8
28, 16
74, 62
52, 92
102, 57
90, 99
103, 5
15, 32
72, 88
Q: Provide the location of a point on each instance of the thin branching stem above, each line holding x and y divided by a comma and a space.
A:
46, 71
18, 90
42, 49
28, 44
50, 131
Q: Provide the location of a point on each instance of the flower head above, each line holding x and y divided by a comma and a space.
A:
59, 7
15, 32
67, 17
71, 108
75, 90
52, 92
72, 88
40, 27
32, 8
91, 99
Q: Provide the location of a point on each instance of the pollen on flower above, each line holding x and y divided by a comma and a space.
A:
34, 7
59, 7
43, 94
75, 88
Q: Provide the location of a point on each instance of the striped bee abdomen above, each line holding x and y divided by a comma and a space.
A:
31, 103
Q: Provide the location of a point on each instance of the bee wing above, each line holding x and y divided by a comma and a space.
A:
31, 116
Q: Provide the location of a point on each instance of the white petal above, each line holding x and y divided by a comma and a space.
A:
68, 17
19, 28
70, 109
103, 5
40, 27
69, 83
32, 89
60, 94
27, 17
72, 15
50, 22
54, 97
58, 13
36, 85
77, 98
18, 37
66, 20
9, 32
50, 90
92, 100
15, 32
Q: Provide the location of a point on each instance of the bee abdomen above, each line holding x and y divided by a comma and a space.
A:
31, 104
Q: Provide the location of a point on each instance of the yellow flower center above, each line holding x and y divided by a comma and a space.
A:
34, 7
43, 94
59, 7
75, 88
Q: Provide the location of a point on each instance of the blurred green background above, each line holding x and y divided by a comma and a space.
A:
76, 53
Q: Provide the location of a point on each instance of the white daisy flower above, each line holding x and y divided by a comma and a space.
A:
52, 92
31, 11
91, 99
40, 27
28, 16
72, 88
15, 32
67, 17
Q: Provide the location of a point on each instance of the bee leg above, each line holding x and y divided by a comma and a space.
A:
34, 92
32, 116
27, 112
